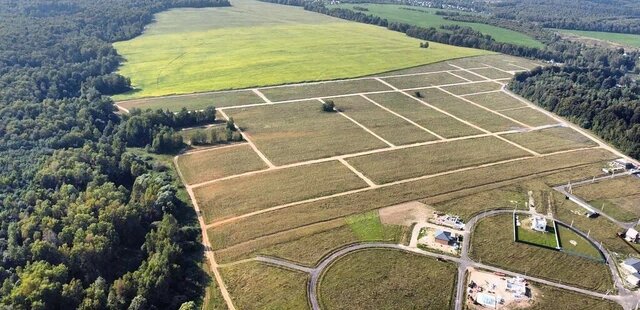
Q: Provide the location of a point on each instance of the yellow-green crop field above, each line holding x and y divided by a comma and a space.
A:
255, 44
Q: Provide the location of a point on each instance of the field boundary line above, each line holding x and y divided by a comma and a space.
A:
493, 67
228, 220
482, 93
518, 66
446, 113
213, 148
261, 95
358, 173
253, 146
572, 126
205, 240
363, 127
369, 152
516, 108
460, 77
402, 117
386, 83
484, 108
469, 71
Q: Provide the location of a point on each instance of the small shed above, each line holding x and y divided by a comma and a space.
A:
632, 235
443, 237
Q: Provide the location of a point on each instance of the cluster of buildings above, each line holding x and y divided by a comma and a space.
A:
619, 165
494, 294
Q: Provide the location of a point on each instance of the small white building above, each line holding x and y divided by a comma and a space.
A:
539, 223
632, 235
632, 265
633, 279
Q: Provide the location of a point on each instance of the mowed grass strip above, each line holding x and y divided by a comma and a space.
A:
619, 197
438, 66
473, 88
387, 279
467, 111
467, 75
250, 193
545, 239
551, 140
492, 243
218, 163
390, 127
299, 131
195, 101
496, 101
500, 61
424, 116
425, 80
431, 159
323, 89
255, 285
493, 73
529, 116
444, 187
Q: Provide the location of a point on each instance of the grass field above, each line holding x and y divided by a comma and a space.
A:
437, 188
551, 140
324, 89
494, 232
631, 40
529, 116
426, 80
431, 159
473, 88
582, 246
294, 132
493, 73
254, 192
548, 239
508, 197
619, 197
424, 116
217, 163
496, 101
504, 62
219, 48
426, 17
390, 127
387, 279
195, 101
254, 285
555, 298
467, 111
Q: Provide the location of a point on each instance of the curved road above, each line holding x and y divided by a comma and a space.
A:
625, 298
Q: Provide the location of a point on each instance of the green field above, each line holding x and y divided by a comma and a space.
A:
413, 162
581, 247
555, 298
388, 126
218, 163
256, 286
473, 88
194, 101
551, 140
299, 131
256, 43
492, 73
631, 40
548, 239
254, 192
426, 80
495, 233
323, 89
426, 17
470, 205
387, 279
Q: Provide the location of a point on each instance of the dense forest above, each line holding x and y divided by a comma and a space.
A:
85, 221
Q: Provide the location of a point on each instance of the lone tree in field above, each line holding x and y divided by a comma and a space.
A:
424, 44
328, 106
418, 94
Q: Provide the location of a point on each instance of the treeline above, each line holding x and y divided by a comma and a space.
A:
610, 16
601, 98
86, 222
